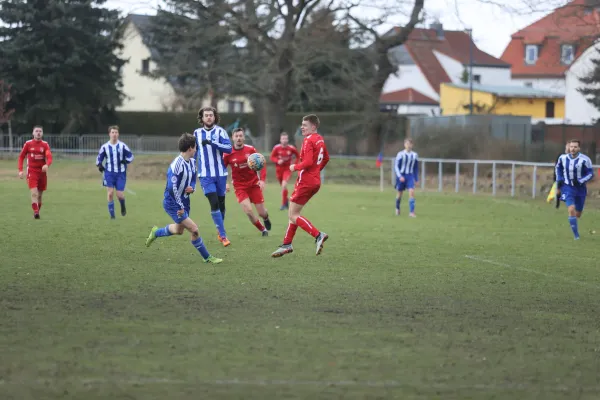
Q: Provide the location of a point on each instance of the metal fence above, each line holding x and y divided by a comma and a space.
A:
494, 177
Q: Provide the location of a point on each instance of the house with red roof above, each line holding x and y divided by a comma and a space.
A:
555, 51
432, 56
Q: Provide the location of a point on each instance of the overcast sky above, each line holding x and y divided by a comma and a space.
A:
492, 24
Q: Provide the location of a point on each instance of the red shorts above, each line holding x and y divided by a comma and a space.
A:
303, 193
253, 193
37, 179
283, 173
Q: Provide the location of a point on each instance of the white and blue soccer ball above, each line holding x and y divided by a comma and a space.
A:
256, 161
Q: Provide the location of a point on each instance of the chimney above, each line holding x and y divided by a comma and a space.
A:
438, 28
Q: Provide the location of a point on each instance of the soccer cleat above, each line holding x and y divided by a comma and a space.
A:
397, 212
219, 236
151, 236
36, 216
576, 237
123, 212
213, 260
412, 215
225, 241
283, 207
320, 240
267, 224
265, 233
112, 217
283, 250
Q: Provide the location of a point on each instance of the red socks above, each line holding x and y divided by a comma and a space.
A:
289, 234
284, 197
35, 207
307, 226
259, 226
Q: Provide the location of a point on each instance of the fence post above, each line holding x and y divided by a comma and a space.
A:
512, 181
393, 173
422, 175
81, 146
381, 177
494, 178
475, 177
440, 178
533, 189
457, 177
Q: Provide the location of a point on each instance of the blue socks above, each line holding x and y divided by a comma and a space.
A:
573, 223
411, 205
218, 220
111, 208
398, 204
163, 232
199, 245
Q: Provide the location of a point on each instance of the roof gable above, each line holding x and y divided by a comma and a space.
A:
407, 96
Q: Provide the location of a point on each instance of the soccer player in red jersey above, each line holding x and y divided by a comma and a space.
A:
248, 184
39, 158
282, 157
313, 158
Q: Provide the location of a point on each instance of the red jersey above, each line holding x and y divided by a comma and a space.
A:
38, 154
241, 176
285, 154
313, 158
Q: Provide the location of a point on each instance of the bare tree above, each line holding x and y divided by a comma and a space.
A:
5, 112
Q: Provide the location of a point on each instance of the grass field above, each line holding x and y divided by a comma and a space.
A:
477, 298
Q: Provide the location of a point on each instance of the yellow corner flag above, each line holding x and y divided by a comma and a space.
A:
552, 194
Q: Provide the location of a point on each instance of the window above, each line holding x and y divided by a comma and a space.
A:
235, 106
146, 66
567, 53
531, 53
549, 109
528, 84
477, 78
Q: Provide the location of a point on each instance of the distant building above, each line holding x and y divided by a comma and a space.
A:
144, 93
431, 57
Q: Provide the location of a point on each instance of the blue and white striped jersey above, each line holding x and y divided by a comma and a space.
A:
407, 162
117, 156
574, 171
210, 156
180, 175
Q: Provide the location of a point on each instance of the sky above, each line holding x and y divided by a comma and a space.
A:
492, 22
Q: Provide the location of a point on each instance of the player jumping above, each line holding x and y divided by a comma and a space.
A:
282, 156
407, 174
117, 156
181, 182
313, 158
212, 141
248, 184
39, 158
573, 171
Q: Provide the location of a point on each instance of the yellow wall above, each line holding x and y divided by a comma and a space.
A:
453, 100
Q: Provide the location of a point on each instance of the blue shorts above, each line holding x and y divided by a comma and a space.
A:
172, 208
409, 183
574, 196
212, 185
115, 180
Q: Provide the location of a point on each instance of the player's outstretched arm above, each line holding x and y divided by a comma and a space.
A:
416, 168
128, 155
274, 157
589, 173
173, 181
324, 159
559, 172
397, 165
48, 155
100, 159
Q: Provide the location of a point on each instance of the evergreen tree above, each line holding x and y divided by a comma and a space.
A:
61, 58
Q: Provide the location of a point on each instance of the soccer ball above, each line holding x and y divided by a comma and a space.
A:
256, 161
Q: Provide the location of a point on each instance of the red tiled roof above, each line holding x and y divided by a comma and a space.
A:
407, 96
455, 44
569, 24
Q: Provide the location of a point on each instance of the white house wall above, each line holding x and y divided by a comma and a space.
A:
552, 84
409, 76
142, 92
577, 108
414, 109
488, 75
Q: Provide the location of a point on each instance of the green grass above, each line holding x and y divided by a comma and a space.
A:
393, 308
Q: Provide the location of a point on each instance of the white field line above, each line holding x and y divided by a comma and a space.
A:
316, 383
130, 191
532, 271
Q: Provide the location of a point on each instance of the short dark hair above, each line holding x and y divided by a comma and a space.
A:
215, 112
237, 130
186, 142
575, 141
115, 127
313, 119
284, 133
38, 126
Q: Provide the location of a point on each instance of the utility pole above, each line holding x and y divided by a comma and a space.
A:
470, 71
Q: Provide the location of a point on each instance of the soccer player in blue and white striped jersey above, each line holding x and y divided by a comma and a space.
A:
407, 174
181, 182
112, 160
213, 141
573, 171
